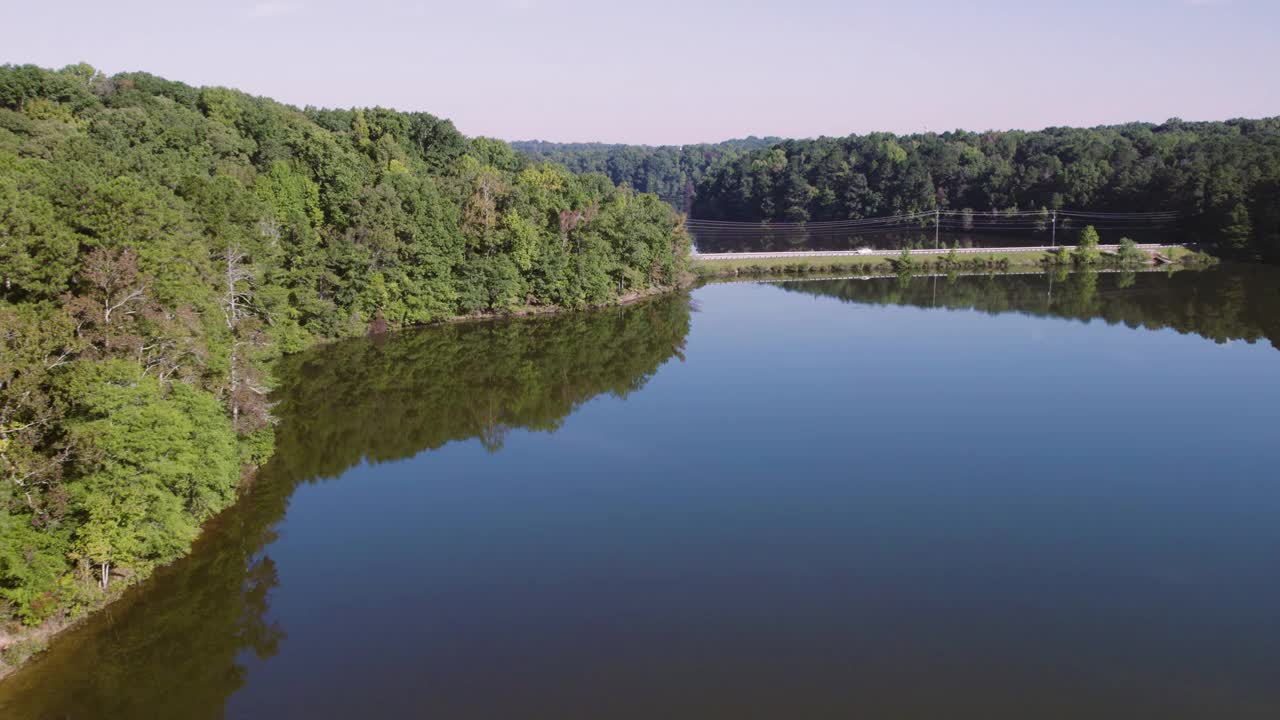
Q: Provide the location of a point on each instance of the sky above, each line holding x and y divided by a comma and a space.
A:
685, 71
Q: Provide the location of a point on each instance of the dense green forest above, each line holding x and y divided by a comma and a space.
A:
161, 245
670, 171
1223, 178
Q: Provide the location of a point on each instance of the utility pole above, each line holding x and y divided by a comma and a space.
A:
936, 215
1055, 228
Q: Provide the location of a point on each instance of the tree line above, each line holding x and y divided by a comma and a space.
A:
670, 171
1222, 178
161, 245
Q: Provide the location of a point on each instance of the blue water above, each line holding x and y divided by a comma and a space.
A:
815, 508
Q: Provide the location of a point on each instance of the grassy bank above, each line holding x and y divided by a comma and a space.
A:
877, 265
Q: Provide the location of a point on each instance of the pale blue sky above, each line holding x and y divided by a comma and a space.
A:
677, 71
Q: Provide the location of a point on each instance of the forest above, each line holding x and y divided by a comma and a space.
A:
1221, 178
672, 172
162, 246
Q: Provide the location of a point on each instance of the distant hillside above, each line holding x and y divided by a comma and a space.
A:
670, 171
1222, 178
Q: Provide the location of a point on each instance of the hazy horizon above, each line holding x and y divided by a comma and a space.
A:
677, 74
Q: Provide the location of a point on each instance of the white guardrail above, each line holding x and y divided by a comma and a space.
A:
798, 254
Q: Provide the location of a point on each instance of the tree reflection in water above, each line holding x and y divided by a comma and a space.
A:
175, 647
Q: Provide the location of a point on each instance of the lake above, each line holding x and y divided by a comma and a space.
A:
965, 497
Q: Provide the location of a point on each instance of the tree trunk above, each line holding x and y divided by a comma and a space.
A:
231, 325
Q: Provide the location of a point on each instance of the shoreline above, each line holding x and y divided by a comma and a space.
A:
31, 642
525, 311
997, 261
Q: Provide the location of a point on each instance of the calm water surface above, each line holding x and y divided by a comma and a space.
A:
993, 497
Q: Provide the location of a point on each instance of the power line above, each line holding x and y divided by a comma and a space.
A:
966, 217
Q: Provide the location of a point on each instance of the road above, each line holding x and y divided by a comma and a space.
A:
800, 254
